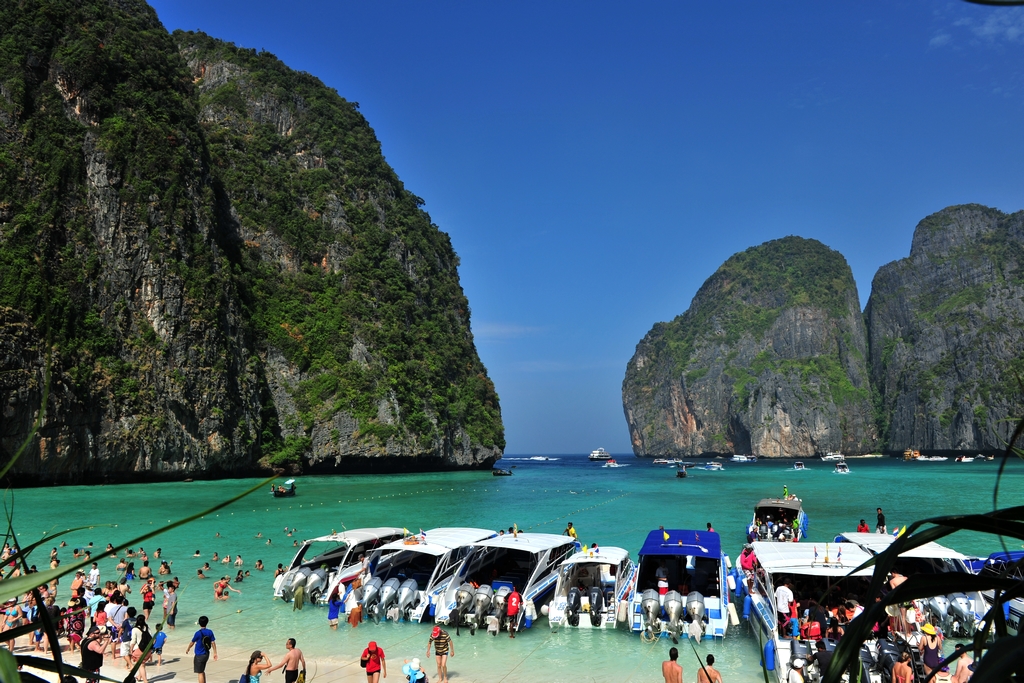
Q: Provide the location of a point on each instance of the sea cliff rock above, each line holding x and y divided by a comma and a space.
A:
209, 269
947, 333
769, 359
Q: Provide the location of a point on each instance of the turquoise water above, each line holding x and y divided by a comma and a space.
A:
608, 506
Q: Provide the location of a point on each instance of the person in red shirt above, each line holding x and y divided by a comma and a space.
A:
375, 662
862, 528
515, 603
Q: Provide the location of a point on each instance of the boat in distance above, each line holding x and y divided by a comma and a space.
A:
600, 454
286, 491
778, 519
842, 468
592, 589
832, 457
611, 462
743, 458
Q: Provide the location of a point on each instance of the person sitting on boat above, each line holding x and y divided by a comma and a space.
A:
747, 558
862, 528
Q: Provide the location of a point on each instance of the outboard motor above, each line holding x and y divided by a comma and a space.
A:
371, 598
674, 611
408, 596
500, 602
573, 606
938, 607
481, 606
800, 649
463, 602
389, 593
960, 611
596, 605
888, 655
650, 605
695, 615
315, 584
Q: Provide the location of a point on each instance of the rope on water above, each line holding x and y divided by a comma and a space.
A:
642, 660
576, 512
530, 654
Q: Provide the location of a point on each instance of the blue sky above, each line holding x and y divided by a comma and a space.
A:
595, 162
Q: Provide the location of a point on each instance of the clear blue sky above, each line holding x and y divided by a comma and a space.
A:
595, 162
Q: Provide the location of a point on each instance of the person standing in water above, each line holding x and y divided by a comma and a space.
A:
709, 674
671, 670
443, 647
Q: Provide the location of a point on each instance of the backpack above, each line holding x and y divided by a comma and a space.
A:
207, 642
126, 631
145, 640
244, 678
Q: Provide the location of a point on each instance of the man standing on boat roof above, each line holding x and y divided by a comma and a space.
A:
570, 531
880, 528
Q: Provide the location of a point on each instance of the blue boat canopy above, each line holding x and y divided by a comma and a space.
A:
683, 542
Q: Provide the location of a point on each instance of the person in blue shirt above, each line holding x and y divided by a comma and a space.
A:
334, 609
205, 643
158, 644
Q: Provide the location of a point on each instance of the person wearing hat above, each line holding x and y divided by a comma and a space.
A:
931, 649
93, 648
443, 647
373, 661
796, 672
413, 672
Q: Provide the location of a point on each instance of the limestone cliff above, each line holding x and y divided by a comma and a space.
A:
211, 256
947, 333
769, 359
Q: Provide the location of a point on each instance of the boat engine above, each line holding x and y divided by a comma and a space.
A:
463, 601
501, 602
573, 606
389, 593
596, 605
674, 611
315, 584
650, 605
695, 615
408, 597
481, 606
960, 611
371, 598
938, 607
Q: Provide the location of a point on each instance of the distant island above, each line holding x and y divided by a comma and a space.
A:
221, 274
774, 357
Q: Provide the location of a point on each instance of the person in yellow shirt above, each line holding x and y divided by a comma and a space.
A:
570, 531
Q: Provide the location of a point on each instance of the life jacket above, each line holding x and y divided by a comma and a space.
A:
811, 631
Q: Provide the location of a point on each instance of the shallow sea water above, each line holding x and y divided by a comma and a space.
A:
613, 507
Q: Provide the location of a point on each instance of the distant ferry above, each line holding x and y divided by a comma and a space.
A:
600, 454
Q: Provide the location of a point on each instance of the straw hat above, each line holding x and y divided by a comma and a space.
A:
929, 629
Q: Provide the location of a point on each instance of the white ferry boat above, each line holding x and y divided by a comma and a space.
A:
600, 454
743, 458
591, 585
320, 561
408, 575
529, 562
833, 457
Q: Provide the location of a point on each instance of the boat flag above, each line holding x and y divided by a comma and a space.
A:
423, 535
902, 531
815, 553
405, 532
665, 534
839, 554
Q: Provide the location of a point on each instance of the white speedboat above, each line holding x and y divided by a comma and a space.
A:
480, 587
799, 466
958, 613
932, 458
714, 467
964, 458
743, 458
613, 463
591, 585
833, 457
819, 569
600, 454
671, 462
774, 520
842, 468
321, 557
407, 576
681, 587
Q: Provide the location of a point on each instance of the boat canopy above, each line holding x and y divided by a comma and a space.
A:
356, 536
607, 555
787, 503
289, 482
876, 543
683, 542
534, 543
799, 558
440, 541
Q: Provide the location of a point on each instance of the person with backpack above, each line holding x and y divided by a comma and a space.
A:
141, 639
205, 643
125, 634
93, 648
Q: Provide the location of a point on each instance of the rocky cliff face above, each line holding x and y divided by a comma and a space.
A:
947, 330
210, 255
769, 359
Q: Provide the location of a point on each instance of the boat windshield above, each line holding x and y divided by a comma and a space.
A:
332, 554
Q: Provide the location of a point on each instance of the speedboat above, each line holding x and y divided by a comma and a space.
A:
818, 570
286, 491
1008, 564
833, 457
798, 466
612, 463
498, 472
774, 517
714, 466
681, 472
842, 468
407, 576
932, 458
959, 613
591, 586
964, 458
661, 461
743, 458
600, 454
319, 559
681, 588
541, 458
481, 584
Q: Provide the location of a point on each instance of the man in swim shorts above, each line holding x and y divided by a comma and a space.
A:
291, 662
443, 647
